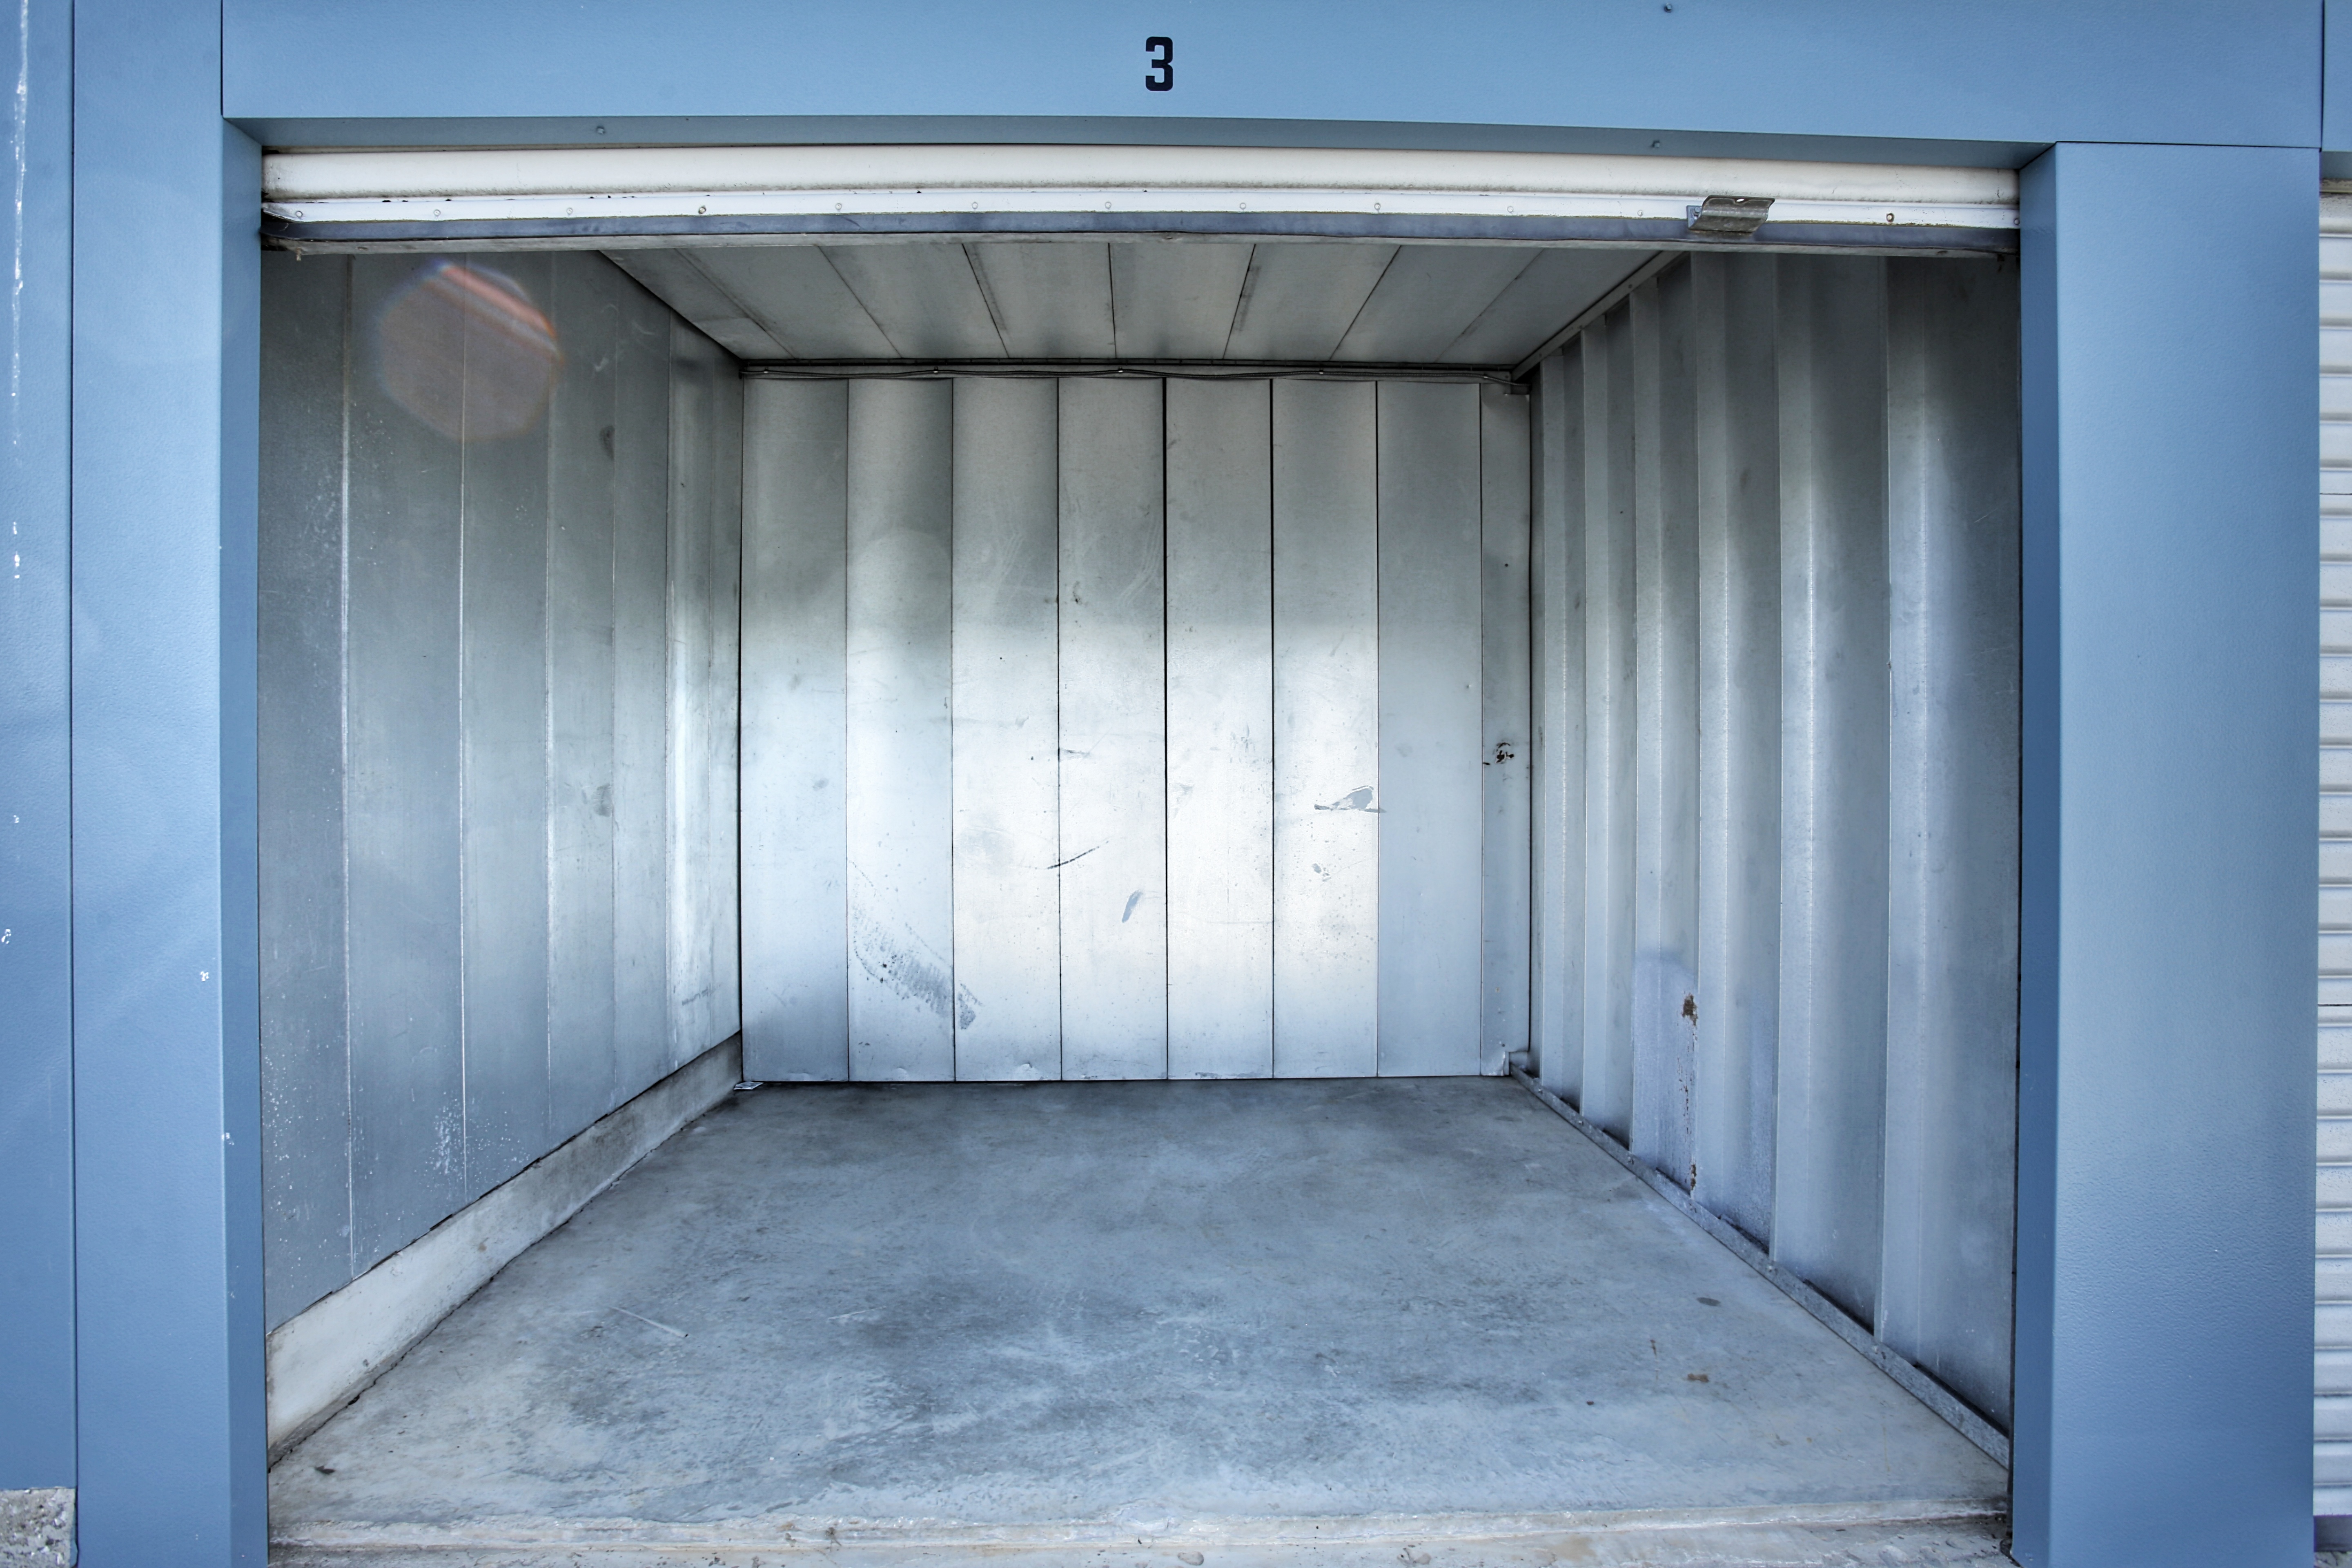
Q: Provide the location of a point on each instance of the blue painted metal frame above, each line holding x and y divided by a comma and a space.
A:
2165, 1227
2166, 1095
1683, 74
37, 1253
167, 1178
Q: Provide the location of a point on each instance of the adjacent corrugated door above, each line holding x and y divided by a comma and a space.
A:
1122, 727
2332, 1385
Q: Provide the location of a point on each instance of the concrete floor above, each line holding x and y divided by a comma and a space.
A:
1270, 1321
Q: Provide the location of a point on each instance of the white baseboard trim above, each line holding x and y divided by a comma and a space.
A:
323, 1357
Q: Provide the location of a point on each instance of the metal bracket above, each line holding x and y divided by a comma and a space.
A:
1731, 217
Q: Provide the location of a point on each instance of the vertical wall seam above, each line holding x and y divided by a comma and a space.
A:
955, 1029
465, 1030
1167, 795
670, 738
744, 442
1061, 845
1485, 815
1379, 742
1273, 754
343, 769
612, 584
549, 530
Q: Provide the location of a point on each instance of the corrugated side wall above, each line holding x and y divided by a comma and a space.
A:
1123, 727
1775, 579
500, 536
2332, 1346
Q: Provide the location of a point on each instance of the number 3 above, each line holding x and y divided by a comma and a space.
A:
1163, 64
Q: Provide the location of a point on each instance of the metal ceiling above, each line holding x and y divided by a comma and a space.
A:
1296, 302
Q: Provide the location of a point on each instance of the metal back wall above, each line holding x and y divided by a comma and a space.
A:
497, 716
1116, 727
1777, 763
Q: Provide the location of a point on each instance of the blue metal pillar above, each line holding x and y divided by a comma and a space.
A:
2166, 1090
37, 1254
166, 1041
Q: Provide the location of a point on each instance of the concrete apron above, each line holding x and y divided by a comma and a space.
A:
1959, 1544
1331, 1321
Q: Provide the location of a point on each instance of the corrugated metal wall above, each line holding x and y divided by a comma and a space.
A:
1776, 686
1120, 727
498, 730
2332, 1340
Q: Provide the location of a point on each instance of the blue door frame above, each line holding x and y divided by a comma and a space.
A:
2171, 156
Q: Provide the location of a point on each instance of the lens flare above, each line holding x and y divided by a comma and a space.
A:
463, 348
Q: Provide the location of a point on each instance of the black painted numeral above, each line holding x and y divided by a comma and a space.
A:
1163, 64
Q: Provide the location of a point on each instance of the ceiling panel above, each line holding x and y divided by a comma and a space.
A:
800, 299
1554, 290
674, 279
1300, 299
1429, 294
1281, 301
1175, 300
1052, 297
924, 298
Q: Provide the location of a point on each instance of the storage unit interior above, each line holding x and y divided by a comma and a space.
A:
1306, 681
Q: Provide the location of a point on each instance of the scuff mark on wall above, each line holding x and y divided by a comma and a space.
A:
909, 966
445, 1138
1358, 799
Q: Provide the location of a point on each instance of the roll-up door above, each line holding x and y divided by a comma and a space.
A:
715, 194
